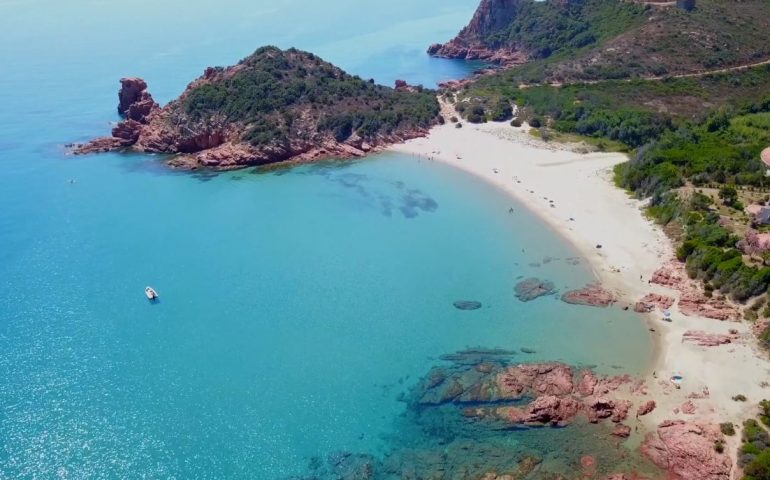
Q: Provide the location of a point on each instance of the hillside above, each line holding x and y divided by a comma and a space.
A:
578, 40
272, 106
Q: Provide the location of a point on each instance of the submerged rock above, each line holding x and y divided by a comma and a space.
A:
532, 288
467, 305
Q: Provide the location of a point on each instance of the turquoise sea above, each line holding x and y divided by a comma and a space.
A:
299, 307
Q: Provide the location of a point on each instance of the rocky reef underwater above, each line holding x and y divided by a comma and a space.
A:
481, 415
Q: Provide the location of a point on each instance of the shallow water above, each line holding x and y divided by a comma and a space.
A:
297, 305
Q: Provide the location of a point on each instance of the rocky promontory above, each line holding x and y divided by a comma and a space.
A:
273, 106
472, 43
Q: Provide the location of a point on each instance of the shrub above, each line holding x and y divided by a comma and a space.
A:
475, 118
719, 446
759, 467
727, 428
739, 398
516, 122
535, 122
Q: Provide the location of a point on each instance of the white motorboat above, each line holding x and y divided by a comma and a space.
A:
151, 293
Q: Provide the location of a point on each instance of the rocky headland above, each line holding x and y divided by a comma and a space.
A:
473, 43
273, 106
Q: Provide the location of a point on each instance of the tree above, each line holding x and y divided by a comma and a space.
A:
729, 195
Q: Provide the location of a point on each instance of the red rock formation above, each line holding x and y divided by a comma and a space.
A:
651, 301
686, 451
704, 339
621, 431
588, 383
694, 303
135, 102
645, 408
688, 408
543, 379
591, 295
669, 275
603, 408
545, 410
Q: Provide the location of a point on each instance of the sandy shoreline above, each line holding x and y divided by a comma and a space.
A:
574, 193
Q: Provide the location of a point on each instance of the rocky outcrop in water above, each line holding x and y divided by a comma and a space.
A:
592, 295
532, 288
686, 451
134, 101
273, 106
556, 394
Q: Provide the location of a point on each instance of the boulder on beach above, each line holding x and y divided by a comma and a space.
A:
686, 450
532, 288
651, 301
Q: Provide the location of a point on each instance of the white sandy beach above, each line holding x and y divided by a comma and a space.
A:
589, 210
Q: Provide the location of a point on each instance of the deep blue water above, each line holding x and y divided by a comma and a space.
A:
296, 305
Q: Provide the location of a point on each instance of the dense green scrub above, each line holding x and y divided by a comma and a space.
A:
633, 112
278, 94
723, 149
549, 28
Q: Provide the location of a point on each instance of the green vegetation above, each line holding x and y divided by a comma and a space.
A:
273, 94
548, 28
754, 453
632, 112
607, 39
724, 149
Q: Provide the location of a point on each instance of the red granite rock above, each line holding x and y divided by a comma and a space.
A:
651, 301
591, 295
645, 408
686, 451
704, 339
621, 431
543, 379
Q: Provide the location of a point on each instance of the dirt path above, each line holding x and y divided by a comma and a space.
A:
718, 71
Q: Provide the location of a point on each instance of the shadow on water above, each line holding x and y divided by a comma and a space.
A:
449, 431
